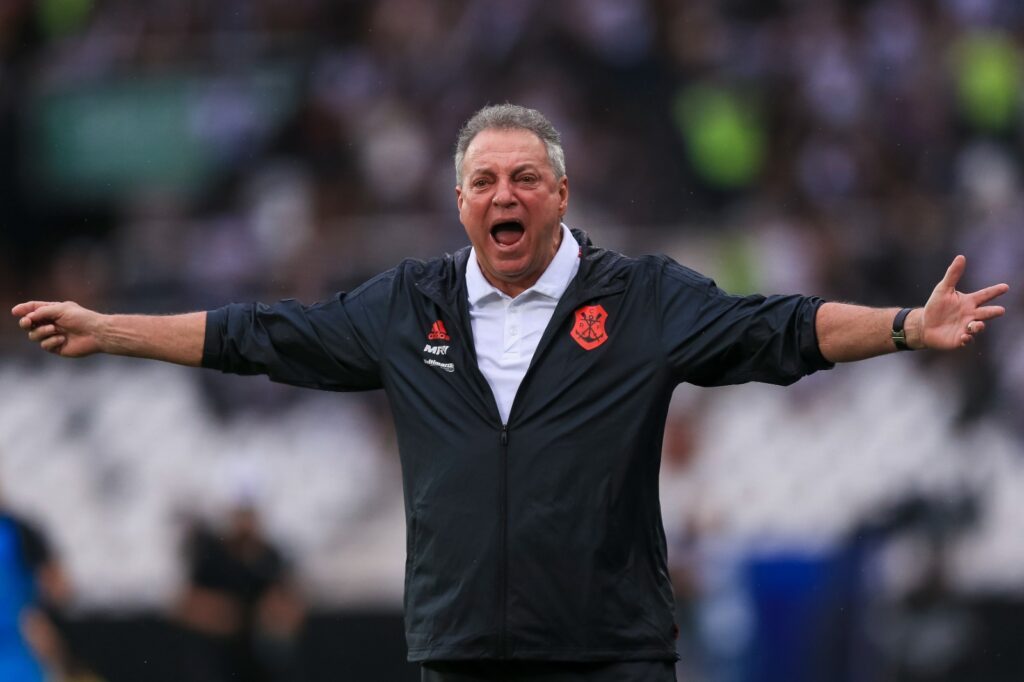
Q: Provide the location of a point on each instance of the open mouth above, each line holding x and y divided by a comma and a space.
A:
507, 233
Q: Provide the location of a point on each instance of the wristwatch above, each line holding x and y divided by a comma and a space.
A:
899, 334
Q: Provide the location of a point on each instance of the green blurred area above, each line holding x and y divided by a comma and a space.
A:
172, 132
58, 18
987, 73
724, 137
738, 265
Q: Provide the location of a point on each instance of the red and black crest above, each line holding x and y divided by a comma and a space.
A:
589, 330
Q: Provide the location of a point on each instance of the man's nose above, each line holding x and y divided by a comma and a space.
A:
503, 194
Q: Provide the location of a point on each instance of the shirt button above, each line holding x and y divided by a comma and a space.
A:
513, 330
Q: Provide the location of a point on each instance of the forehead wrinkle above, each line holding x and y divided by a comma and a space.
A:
526, 165
489, 168
506, 142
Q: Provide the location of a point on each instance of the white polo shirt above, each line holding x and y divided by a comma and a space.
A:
506, 330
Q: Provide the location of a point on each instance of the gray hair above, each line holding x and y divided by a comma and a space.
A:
511, 117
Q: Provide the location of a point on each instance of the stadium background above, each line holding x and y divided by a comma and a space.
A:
174, 155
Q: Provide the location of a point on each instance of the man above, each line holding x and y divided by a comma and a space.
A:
239, 605
529, 377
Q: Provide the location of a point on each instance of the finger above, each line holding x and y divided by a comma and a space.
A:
40, 333
45, 313
53, 344
975, 327
954, 272
989, 312
983, 296
27, 307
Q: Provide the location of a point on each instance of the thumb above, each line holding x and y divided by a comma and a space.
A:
954, 272
27, 307
46, 312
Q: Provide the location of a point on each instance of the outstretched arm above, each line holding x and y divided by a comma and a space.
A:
949, 320
69, 330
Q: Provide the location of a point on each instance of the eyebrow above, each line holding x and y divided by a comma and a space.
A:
486, 170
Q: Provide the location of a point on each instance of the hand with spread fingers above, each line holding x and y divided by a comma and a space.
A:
952, 318
66, 329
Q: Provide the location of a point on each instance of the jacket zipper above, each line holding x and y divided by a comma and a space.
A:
545, 341
503, 543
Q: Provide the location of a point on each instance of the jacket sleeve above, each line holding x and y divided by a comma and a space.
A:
333, 345
713, 338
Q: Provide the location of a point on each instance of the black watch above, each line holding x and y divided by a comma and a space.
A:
899, 334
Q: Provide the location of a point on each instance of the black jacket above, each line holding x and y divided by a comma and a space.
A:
540, 539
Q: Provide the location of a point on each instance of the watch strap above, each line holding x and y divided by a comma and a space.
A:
899, 334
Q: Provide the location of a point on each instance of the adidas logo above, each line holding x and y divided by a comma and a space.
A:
438, 332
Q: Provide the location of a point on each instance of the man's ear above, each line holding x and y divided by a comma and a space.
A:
458, 197
563, 192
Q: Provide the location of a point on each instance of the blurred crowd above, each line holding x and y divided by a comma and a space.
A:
178, 154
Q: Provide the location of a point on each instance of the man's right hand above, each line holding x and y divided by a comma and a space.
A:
66, 329
69, 330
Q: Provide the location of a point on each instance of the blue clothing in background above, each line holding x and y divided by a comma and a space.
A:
21, 551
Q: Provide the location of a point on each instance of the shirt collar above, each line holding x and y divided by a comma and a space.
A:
552, 283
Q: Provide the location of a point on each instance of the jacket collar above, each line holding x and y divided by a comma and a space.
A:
598, 274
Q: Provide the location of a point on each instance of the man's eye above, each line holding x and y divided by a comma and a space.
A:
529, 179
480, 183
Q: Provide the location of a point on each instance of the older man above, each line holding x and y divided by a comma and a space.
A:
529, 376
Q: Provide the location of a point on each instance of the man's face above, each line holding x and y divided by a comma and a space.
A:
511, 205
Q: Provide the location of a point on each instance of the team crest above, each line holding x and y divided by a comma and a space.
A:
588, 330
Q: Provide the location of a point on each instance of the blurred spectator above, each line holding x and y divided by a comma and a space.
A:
240, 604
33, 593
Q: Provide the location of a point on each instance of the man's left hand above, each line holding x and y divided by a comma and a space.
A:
950, 318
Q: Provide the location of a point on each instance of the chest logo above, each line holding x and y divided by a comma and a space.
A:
438, 332
588, 329
433, 352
